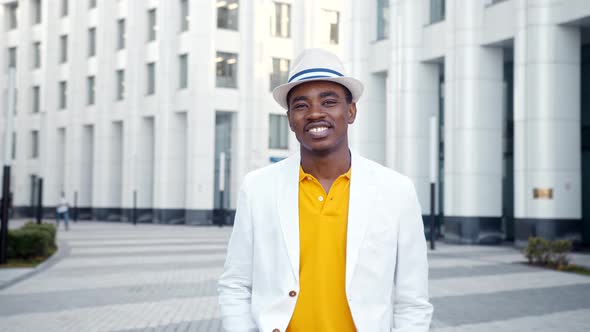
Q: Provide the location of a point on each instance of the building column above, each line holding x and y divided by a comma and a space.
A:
355, 58
414, 98
200, 162
473, 129
547, 148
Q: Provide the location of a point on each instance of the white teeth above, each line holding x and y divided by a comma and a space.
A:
318, 129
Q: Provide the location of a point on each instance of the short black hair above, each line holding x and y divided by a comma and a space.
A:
348, 94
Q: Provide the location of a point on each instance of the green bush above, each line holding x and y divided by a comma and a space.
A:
559, 251
45, 227
544, 252
28, 242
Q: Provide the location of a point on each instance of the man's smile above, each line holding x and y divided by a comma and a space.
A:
318, 130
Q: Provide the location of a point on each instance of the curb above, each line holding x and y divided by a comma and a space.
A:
63, 250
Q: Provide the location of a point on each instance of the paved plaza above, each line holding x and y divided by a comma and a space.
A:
120, 277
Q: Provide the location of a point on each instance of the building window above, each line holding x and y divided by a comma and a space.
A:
280, 22
152, 25
36, 11
63, 95
151, 78
12, 10
91, 4
120, 84
121, 34
13, 153
226, 70
227, 14
36, 102
90, 93
280, 72
12, 57
34, 144
63, 48
184, 15
64, 8
332, 23
382, 19
37, 55
437, 10
183, 71
278, 132
91, 42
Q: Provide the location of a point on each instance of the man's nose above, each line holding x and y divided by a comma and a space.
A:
316, 111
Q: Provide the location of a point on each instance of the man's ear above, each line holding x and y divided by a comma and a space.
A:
351, 113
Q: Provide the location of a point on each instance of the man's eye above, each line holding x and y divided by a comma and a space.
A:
299, 106
330, 102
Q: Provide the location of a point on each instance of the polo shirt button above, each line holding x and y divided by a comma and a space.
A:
276, 330
292, 293
321, 198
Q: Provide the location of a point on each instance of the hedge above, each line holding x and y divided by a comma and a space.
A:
49, 228
30, 241
555, 253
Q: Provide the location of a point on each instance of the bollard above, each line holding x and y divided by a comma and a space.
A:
40, 202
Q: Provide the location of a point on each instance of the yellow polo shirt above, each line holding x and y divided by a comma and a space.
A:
323, 219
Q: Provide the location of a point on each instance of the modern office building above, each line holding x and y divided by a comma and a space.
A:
124, 103
509, 82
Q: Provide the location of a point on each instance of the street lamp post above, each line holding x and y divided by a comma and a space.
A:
8, 129
433, 172
221, 188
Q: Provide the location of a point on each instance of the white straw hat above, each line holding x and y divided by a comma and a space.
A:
315, 64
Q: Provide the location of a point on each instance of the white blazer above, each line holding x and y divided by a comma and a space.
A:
386, 265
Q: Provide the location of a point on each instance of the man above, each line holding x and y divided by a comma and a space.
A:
325, 240
62, 211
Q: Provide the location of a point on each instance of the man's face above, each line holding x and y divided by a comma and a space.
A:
319, 116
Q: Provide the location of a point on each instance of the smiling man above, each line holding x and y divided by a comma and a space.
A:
325, 240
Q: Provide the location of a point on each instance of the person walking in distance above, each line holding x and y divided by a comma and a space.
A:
325, 240
62, 211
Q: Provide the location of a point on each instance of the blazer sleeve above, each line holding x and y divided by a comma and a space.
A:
235, 284
412, 310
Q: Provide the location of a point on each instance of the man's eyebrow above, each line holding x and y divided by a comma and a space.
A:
328, 94
298, 98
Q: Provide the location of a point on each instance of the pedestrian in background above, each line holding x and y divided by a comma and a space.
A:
325, 240
62, 211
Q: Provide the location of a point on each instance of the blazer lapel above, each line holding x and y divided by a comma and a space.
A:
361, 191
288, 205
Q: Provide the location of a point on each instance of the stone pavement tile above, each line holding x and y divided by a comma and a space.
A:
139, 316
477, 308
169, 239
570, 321
134, 260
103, 270
581, 259
444, 262
72, 299
106, 250
155, 252
40, 284
9, 274
475, 271
207, 325
537, 278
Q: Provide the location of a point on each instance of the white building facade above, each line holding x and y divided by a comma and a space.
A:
126, 104
129, 105
509, 81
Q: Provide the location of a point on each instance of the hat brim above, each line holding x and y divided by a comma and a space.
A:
352, 84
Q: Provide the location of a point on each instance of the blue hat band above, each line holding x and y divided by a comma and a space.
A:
314, 73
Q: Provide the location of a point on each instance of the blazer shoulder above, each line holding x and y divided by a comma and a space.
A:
387, 177
267, 175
